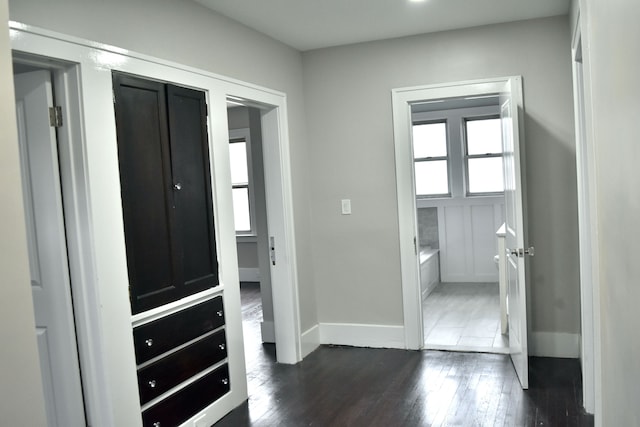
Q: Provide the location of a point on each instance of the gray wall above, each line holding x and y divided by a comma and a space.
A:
21, 398
610, 46
348, 95
187, 33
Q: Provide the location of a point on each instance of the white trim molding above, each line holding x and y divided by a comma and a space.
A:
554, 344
360, 335
310, 340
249, 274
268, 332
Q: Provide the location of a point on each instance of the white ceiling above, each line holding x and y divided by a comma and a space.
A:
312, 24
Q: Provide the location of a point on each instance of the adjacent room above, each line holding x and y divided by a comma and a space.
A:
457, 150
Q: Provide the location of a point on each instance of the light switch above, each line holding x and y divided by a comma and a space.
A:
346, 206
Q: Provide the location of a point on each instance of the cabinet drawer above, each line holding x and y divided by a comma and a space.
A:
162, 335
160, 376
187, 402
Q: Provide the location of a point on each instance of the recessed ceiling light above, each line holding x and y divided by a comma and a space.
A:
416, 1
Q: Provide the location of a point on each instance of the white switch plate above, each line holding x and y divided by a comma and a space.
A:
346, 206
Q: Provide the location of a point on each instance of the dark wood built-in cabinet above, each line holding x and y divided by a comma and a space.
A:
166, 190
171, 352
165, 179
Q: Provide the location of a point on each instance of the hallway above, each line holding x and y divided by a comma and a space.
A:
347, 386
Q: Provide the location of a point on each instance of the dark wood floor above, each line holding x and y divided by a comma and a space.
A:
346, 386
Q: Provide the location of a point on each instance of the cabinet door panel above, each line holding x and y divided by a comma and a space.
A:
144, 159
190, 166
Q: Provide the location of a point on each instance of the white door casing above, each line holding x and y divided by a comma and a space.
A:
402, 99
516, 255
587, 229
50, 282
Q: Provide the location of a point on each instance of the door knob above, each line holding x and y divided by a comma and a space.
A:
177, 186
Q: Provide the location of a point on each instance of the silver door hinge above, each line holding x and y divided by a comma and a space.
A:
55, 116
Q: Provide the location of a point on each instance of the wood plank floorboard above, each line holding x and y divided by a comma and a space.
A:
349, 386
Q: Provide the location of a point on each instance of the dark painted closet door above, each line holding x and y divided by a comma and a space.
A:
192, 183
145, 179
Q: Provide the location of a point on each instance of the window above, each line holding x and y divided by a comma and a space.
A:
483, 155
240, 163
431, 159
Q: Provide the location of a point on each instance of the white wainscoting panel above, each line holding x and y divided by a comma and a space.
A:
483, 242
467, 233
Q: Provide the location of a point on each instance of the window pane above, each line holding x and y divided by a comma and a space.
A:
431, 178
241, 209
238, 160
484, 136
430, 140
485, 175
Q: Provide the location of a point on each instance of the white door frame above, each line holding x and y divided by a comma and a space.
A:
93, 211
66, 85
588, 231
402, 98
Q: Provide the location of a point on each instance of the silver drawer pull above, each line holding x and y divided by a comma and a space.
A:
148, 342
219, 313
152, 383
156, 424
225, 381
222, 346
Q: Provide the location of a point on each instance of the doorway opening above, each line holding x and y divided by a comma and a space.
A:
252, 233
508, 91
459, 187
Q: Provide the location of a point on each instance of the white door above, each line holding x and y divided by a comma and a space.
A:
50, 283
510, 101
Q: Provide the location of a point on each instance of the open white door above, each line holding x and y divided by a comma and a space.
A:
50, 283
516, 256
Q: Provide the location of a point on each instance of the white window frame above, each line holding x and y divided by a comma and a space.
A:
467, 156
447, 158
456, 150
244, 135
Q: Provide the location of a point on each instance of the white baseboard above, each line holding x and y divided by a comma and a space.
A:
554, 344
478, 278
249, 274
310, 340
358, 335
268, 331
